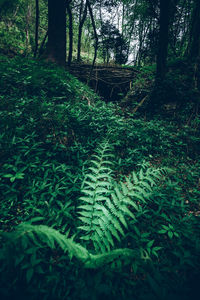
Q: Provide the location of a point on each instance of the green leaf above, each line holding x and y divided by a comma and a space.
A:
92, 177
162, 231
150, 244
101, 190
85, 220
135, 179
86, 207
91, 184
165, 227
29, 274
8, 175
36, 219
170, 234
12, 179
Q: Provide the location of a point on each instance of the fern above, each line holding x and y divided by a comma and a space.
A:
136, 190
29, 235
107, 205
97, 187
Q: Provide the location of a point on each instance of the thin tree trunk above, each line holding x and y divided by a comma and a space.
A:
37, 15
69, 11
177, 26
28, 15
81, 23
131, 29
194, 41
95, 36
43, 43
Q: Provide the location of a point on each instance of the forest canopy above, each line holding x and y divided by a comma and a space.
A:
132, 30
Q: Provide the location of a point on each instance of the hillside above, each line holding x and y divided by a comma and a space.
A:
95, 201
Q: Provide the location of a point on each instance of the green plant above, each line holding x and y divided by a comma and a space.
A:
106, 208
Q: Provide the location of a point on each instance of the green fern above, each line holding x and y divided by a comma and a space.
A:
136, 190
107, 205
97, 187
39, 235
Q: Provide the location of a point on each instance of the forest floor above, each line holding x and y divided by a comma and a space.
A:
51, 126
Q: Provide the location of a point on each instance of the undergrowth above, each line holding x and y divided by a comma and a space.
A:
94, 202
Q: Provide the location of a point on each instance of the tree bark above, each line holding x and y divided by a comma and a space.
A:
69, 11
194, 41
164, 19
43, 43
28, 20
37, 15
56, 46
81, 23
95, 36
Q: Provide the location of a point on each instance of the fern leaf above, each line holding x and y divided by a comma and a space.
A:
92, 177
86, 207
88, 192
114, 232
101, 190
94, 170
85, 220
135, 179
91, 184
106, 205
127, 211
124, 188
86, 199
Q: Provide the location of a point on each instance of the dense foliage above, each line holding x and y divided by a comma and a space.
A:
95, 201
126, 29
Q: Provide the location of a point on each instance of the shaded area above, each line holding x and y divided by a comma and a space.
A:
110, 82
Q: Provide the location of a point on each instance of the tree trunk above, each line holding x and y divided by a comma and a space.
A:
69, 11
43, 43
165, 6
28, 20
81, 23
194, 41
95, 36
37, 14
158, 95
56, 46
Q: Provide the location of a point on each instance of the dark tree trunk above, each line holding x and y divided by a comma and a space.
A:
165, 6
41, 50
95, 36
81, 23
37, 15
56, 46
69, 11
158, 95
194, 41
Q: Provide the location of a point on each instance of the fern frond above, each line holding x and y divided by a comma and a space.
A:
40, 235
106, 204
96, 189
136, 190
